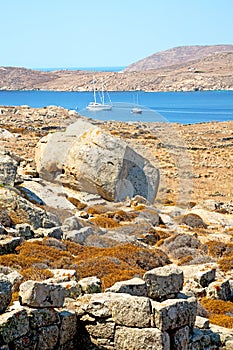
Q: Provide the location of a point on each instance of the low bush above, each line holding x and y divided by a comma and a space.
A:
220, 312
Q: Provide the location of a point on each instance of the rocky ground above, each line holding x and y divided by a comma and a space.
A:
48, 223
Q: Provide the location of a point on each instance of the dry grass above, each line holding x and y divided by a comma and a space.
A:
33, 259
104, 222
77, 203
220, 312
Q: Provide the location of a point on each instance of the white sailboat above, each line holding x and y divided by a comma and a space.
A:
99, 106
136, 109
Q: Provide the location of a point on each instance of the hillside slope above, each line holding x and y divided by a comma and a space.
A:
176, 56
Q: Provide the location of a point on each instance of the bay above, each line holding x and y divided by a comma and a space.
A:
180, 107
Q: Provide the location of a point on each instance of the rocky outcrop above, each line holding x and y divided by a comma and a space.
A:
86, 158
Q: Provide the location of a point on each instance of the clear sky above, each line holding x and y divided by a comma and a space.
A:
83, 33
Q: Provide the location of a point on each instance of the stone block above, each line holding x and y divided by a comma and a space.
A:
99, 305
42, 317
102, 329
13, 324
179, 338
5, 293
135, 286
41, 294
219, 290
47, 337
141, 338
164, 281
68, 326
174, 313
131, 311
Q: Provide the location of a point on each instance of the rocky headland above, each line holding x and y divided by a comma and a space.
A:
114, 235
188, 68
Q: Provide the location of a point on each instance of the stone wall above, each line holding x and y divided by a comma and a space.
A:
139, 314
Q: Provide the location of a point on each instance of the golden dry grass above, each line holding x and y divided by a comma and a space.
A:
110, 264
220, 312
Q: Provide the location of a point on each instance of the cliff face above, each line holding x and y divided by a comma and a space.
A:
186, 68
177, 56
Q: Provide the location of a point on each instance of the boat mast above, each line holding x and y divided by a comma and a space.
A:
102, 99
94, 90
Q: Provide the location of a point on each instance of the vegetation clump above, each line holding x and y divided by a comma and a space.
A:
34, 259
220, 312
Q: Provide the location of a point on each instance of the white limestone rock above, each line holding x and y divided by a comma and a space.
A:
91, 160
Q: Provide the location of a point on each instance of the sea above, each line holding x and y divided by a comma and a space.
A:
178, 107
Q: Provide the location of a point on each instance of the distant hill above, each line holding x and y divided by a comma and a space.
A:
177, 56
188, 68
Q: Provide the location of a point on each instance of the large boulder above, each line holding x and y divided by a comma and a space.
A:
93, 161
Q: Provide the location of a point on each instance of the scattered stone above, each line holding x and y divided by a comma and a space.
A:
79, 236
24, 230
202, 322
219, 290
5, 219
47, 337
42, 317
63, 275
179, 338
205, 275
90, 285
8, 245
193, 220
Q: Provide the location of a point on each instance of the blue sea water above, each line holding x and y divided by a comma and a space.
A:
96, 69
180, 107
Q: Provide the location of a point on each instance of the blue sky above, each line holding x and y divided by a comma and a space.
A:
83, 33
